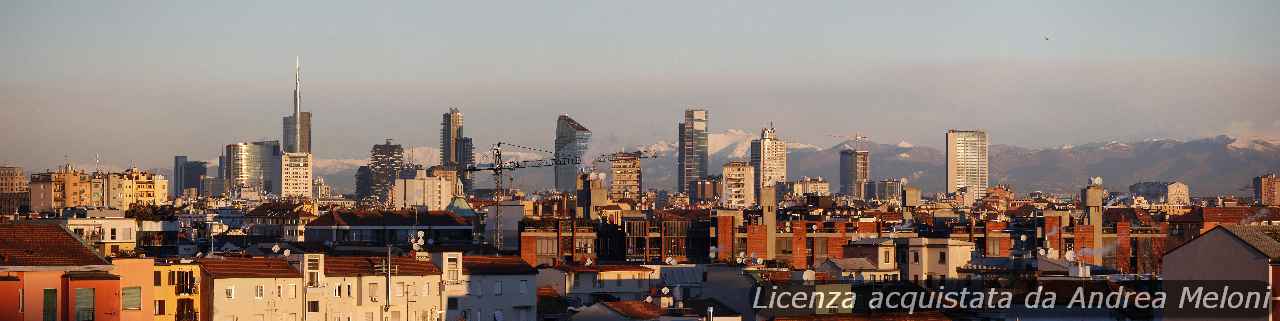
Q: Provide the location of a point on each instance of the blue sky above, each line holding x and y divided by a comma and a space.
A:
143, 81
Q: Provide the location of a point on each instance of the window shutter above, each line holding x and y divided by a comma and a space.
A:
132, 298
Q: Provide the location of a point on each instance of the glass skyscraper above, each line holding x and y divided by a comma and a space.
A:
691, 158
572, 140
252, 166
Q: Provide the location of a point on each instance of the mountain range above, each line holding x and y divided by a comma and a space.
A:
1210, 166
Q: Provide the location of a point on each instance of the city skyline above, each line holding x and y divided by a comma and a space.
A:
1106, 72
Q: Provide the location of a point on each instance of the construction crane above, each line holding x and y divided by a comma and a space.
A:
499, 166
859, 141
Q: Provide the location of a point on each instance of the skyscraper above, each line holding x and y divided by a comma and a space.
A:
297, 127
456, 151
691, 155
855, 172
769, 157
252, 166
386, 161
572, 140
179, 167
967, 161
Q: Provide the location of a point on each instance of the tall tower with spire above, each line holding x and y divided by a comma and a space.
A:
297, 127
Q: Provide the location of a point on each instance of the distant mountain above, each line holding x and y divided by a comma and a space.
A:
1211, 166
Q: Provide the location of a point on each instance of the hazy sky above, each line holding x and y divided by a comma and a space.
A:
143, 81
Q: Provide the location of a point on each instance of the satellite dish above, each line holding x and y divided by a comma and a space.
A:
287, 252
1070, 256
588, 262
1043, 252
198, 254
740, 260
670, 260
1023, 237
275, 248
759, 261
666, 290
421, 233
742, 254
648, 299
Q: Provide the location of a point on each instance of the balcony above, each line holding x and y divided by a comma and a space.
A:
186, 289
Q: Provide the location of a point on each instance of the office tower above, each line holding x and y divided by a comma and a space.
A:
1266, 190
691, 158
456, 151
855, 172
967, 161
179, 167
13, 189
295, 175
572, 140
769, 157
187, 175
738, 184
889, 190
251, 168
364, 183
626, 179
297, 127
386, 161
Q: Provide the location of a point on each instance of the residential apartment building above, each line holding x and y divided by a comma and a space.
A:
809, 186
499, 288
584, 284
423, 188
175, 290
296, 175
1163, 193
48, 274
1266, 190
737, 185
63, 188
769, 157
967, 161
625, 176
13, 189
237, 288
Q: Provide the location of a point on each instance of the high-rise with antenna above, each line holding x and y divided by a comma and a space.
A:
297, 126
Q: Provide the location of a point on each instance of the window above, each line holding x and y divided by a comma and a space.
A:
50, 308
313, 279
524, 286
886, 257
399, 289
497, 287
172, 277
159, 307
313, 306
131, 298
279, 290
258, 292
337, 291
348, 290
373, 292
915, 257
453, 303
292, 291
155, 276
113, 234
229, 292
942, 257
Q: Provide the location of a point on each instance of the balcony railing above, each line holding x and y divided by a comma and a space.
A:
186, 289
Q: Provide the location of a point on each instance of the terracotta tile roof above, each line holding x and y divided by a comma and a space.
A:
43, 245
365, 265
242, 267
602, 268
547, 292
638, 310
496, 265
362, 218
